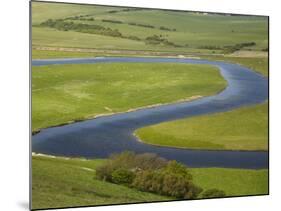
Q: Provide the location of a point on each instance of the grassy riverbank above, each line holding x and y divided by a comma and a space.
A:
59, 182
64, 93
258, 64
241, 129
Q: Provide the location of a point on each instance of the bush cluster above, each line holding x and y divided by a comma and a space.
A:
157, 40
62, 25
80, 17
124, 10
166, 29
81, 27
141, 25
111, 21
237, 47
148, 172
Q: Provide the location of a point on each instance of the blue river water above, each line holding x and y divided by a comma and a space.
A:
102, 136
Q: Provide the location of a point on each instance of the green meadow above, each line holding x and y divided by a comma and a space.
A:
185, 31
64, 93
62, 182
58, 182
241, 129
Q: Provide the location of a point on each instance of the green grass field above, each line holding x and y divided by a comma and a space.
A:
192, 30
234, 182
71, 182
63, 93
241, 129
59, 182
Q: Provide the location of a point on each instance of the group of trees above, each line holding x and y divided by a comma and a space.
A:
81, 27
111, 21
166, 28
125, 10
237, 47
141, 25
61, 24
229, 48
148, 172
80, 17
158, 39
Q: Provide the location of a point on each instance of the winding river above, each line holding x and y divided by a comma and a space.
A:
102, 136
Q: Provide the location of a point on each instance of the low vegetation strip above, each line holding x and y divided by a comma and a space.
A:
241, 129
64, 93
59, 182
81, 27
65, 25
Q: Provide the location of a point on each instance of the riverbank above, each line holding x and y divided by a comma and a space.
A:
63, 94
243, 129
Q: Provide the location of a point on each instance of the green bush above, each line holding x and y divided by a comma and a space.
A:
81, 27
111, 21
148, 172
166, 28
173, 180
122, 176
213, 193
130, 161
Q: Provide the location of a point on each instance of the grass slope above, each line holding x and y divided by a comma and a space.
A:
234, 182
62, 93
57, 182
242, 129
60, 182
192, 30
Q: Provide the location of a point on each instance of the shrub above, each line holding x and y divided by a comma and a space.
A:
237, 47
129, 161
166, 28
173, 180
81, 27
213, 193
111, 21
104, 172
148, 172
122, 176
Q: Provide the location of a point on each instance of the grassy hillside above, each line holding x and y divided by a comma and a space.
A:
185, 31
71, 182
59, 182
240, 129
62, 93
234, 182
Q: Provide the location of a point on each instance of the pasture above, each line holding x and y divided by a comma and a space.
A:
183, 31
64, 93
241, 129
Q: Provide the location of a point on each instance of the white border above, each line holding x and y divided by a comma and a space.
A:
14, 86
